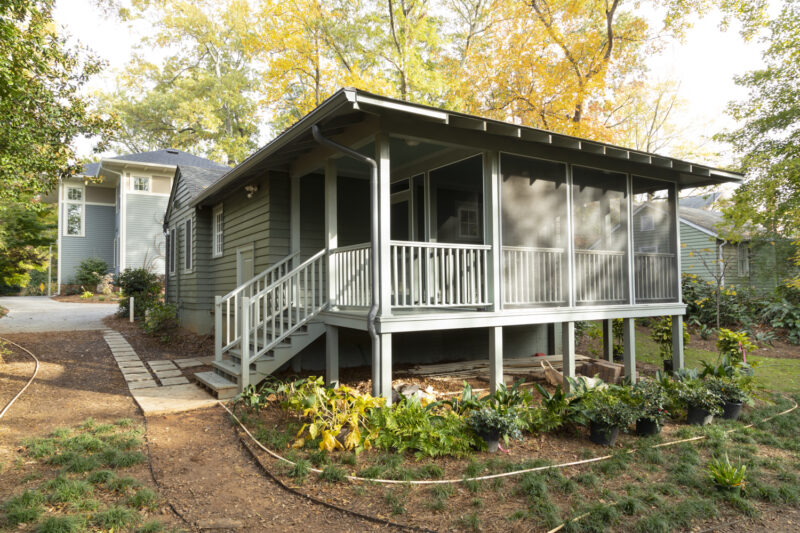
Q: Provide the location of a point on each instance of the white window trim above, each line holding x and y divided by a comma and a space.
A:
81, 203
217, 232
743, 260
149, 184
472, 209
188, 245
173, 251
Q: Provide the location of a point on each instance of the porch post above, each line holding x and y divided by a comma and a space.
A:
385, 378
629, 348
294, 246
608, 340
495, 357
491, 228
568, 351
677, 342
331, 226
331, 355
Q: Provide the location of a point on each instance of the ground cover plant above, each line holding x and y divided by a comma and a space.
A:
86, 487
639, 489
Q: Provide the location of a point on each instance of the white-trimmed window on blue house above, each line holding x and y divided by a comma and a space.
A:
173, 249
187, 244
646, 223
217, 231
743, 260
74, 211
140, 184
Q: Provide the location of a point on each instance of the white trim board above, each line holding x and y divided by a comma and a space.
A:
699, 228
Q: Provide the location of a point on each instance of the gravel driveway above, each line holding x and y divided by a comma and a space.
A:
32, 314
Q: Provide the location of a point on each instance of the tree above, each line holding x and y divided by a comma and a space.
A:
201, 97
768, 143
41, 100
24, 234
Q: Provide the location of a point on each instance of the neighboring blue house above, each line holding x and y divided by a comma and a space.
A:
115, 211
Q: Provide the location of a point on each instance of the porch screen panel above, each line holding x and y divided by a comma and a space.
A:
653, 227
534, 213
457, 202
600, 224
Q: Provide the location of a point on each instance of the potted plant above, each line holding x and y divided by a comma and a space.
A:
701, 402
662, 335
726, 476
607, 410
650, 398
491, 424
732, 394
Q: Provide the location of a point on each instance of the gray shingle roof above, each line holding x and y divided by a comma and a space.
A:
90, 169
198, 179
700, 201
172, 157
708, 220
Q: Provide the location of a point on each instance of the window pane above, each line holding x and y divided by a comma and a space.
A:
601, 236
74, 216
534, 203
74, 193
141, 184
654, 242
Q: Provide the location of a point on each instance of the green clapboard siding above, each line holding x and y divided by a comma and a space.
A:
698, 253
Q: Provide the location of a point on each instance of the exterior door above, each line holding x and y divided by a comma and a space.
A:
245, 270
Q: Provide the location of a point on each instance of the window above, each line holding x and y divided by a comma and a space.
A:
649, 249
217, 222
187, 243
468, 226
139, 183
74, 209
744, 260
172, 246
646, 223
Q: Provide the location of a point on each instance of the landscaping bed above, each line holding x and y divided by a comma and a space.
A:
93, 299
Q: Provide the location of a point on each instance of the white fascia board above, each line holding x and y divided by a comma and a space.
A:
699, 228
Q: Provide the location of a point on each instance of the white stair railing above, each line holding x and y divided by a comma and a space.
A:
227, 308
274, 313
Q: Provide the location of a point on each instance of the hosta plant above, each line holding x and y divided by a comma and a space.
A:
726, 475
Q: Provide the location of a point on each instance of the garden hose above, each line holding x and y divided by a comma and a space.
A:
35, 371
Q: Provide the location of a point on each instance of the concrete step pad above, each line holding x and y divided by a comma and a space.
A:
217, 385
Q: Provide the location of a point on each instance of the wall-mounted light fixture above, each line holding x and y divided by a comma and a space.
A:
251, 190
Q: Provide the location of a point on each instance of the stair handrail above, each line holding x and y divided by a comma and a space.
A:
301, 266
264, 274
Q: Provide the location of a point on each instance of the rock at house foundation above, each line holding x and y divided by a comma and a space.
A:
408, 390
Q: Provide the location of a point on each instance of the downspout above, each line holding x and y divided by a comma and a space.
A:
374, 249
722, 263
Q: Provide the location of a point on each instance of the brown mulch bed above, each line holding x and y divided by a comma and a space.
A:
181, 343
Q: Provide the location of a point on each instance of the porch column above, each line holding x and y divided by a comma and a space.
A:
677, 342
384, 224
495, 357
331, 355
608, 340
385, 378
491, 228
629, 348
568, 351
294, 244
331, 226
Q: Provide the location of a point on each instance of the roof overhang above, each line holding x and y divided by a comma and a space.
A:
348, 106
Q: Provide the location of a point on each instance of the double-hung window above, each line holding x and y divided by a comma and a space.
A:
140, 183
172, 249
74, 211
743, 260
646, 223
187, 243
217, 230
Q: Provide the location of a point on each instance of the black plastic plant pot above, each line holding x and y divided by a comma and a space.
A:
492, 439
697, 416
603, 434
731, 410
668, 368
646, 427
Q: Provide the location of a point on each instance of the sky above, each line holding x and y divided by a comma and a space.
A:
705, 65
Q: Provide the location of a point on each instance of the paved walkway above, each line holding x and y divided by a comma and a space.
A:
161, 388
38, 314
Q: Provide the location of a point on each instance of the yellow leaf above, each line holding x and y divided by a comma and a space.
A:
298, 443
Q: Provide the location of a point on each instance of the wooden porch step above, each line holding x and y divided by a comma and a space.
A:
217, 385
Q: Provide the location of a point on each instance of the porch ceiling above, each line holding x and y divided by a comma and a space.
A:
351, 111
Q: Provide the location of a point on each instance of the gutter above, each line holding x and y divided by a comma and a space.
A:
374, 250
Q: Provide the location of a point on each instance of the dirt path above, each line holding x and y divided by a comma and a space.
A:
206, 474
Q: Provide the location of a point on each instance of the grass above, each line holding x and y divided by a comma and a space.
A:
62, 524
25, 508
116, 517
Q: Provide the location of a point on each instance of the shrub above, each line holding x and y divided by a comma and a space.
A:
161, 317
728, 389
784, 315
696, 393
662, 335
90, 271
489, 420
651, 400
142, 285
734, 345
609, 406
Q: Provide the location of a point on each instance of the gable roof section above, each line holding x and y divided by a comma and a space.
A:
170, 157
195, 179
701, 219
700, 201
348, 107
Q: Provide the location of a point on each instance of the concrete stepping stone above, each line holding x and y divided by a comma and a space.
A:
188, 363
131, 365
138, 377
162, 374
142, 385
126, 358
174, 381
161, 362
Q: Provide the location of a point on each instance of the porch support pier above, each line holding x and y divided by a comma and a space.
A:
677, 342
629, 348
495, 358
331, 355
608, 340
568, 352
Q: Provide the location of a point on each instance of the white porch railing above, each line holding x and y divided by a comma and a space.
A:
656, 277
600, 276
228, 308
439, 275
533, 276
351, 275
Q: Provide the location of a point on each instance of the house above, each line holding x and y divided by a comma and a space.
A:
759, 264
114, 211
379, 232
